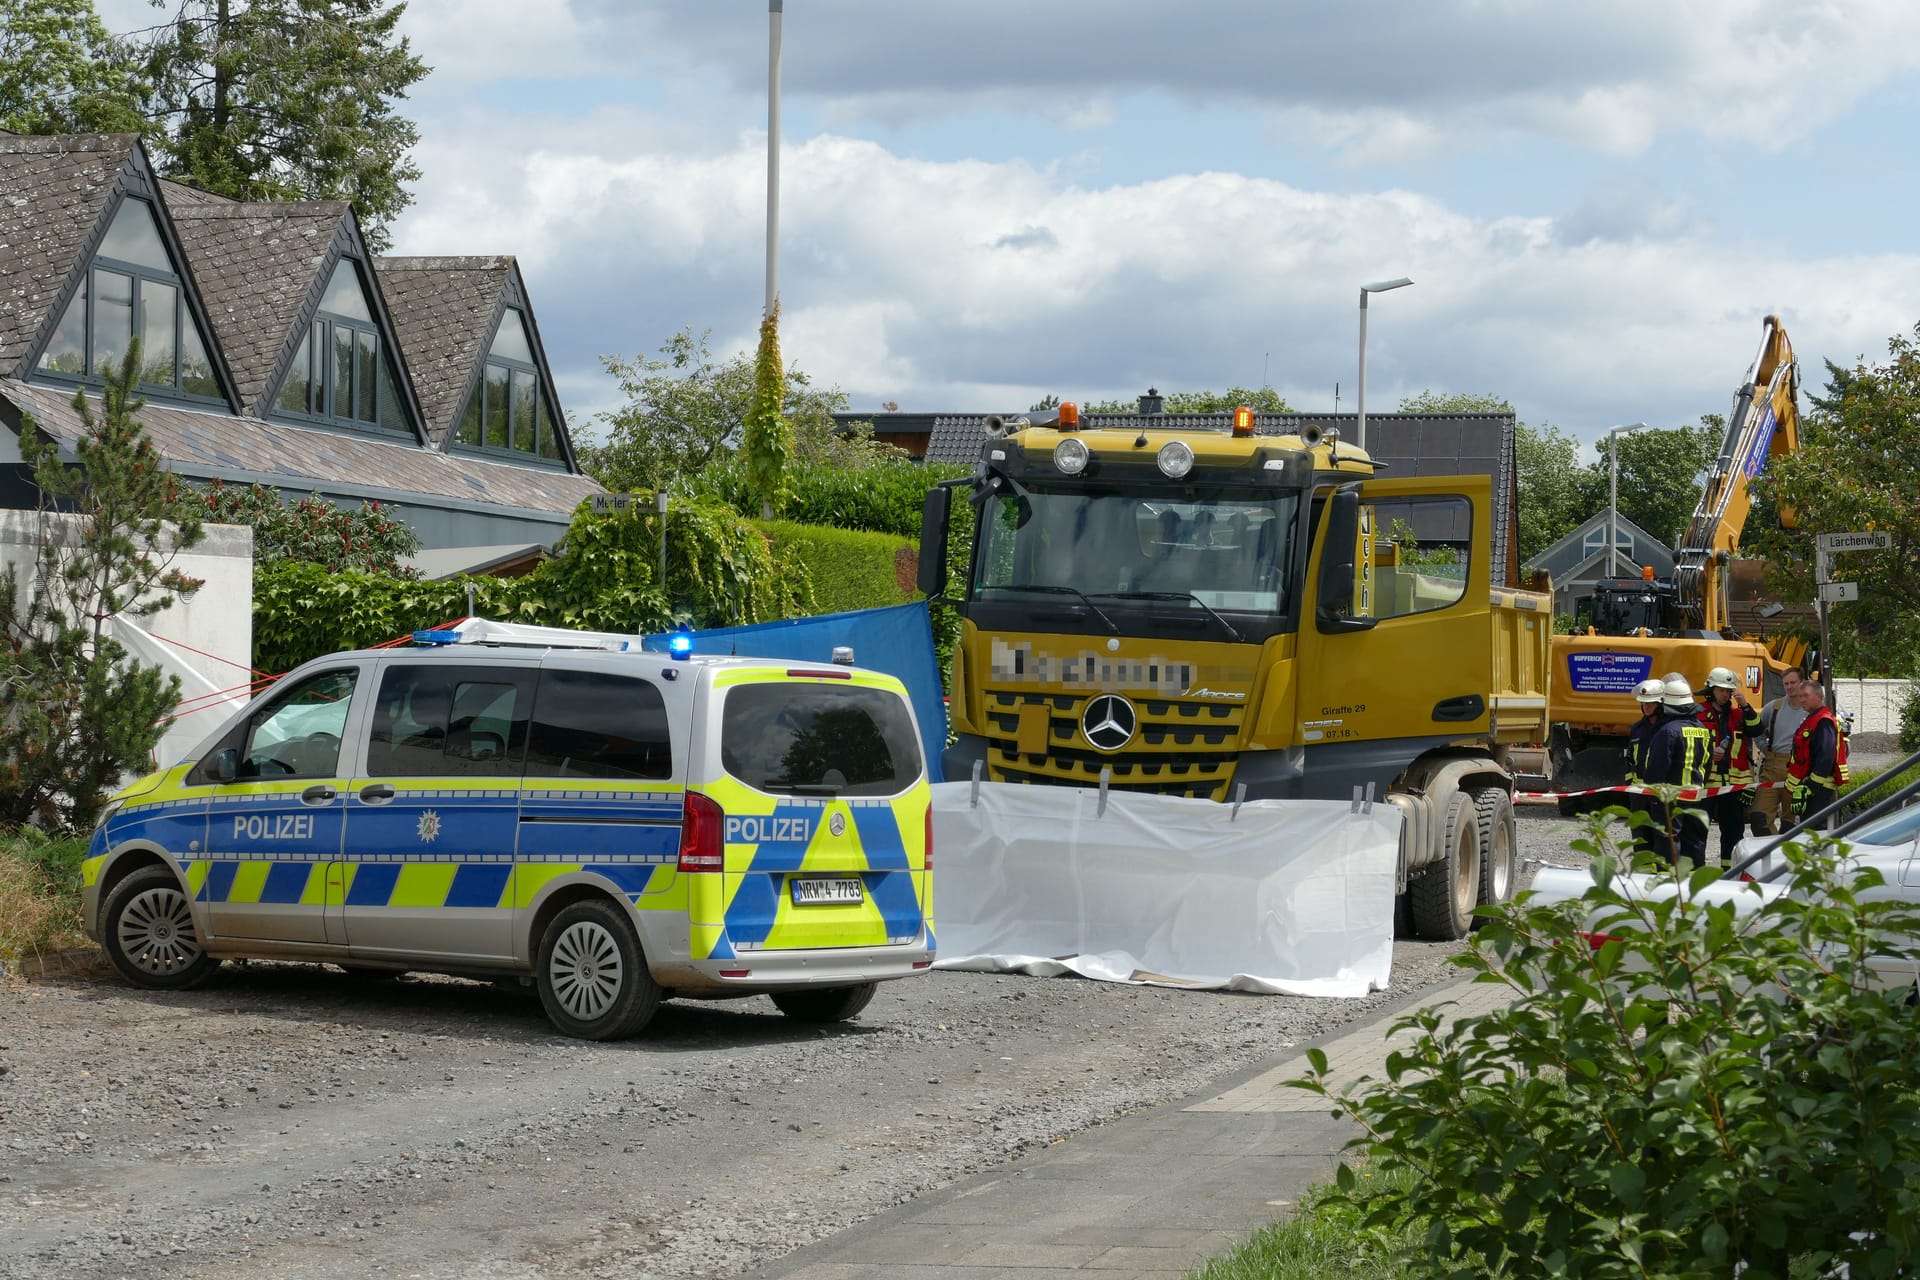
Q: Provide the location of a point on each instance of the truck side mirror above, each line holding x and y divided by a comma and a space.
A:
224, 764
933, 541
1334, 611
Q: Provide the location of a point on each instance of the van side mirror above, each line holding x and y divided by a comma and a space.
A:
224, 764
1334, 610
934, 512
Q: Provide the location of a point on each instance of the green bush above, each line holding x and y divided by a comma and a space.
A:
883, 496
850, 569
1697, 1096
1910, 718
312, 528
721, 572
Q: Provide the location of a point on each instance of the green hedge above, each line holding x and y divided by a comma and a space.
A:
851, 569
721, 572
882, 497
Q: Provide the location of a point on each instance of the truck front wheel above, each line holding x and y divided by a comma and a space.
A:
1443, 898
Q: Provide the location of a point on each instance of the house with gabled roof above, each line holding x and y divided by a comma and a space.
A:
275, 348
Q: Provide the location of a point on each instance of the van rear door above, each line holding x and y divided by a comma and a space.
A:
823, 790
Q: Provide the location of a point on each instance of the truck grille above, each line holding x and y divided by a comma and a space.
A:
1181, 747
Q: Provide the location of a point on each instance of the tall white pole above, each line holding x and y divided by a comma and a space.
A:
1360, 394
773, 153
1613, 504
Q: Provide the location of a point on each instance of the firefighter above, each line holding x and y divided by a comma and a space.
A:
1731, 722
1819, 766
1678, 756
1649, 694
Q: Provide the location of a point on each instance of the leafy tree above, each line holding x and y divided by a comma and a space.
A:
1660, 475
1553, 494
1859, 452
313, 529
79, 711
767, 435
287, 100
61, 72
687, 411
1265, 399
1455, 402
1043, 404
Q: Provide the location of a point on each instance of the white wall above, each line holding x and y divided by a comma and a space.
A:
217, 619
1875, 704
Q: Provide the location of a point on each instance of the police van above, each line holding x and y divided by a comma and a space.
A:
619, 827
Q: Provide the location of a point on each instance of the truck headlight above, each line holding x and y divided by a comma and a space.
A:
1175, 458
1071, 456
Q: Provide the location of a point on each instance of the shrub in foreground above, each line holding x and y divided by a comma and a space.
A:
1676, 1090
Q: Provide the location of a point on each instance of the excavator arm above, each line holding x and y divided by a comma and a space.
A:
1765, 423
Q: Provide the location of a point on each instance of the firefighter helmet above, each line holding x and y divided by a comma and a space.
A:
1650, 691
1721, 678
1679, 694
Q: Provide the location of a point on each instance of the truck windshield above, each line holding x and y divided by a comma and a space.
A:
1227, 551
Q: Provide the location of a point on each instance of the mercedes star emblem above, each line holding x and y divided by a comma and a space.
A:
1109, 722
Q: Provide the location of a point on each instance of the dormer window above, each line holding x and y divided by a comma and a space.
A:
508, 411
340, 374
132, 290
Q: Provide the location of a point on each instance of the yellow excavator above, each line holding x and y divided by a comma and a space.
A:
1633, 628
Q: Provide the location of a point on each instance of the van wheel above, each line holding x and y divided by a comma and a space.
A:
1444, 898
1499, 864
833, 1004
148, 928
593, 979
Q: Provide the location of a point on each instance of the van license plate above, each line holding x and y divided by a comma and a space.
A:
839, 890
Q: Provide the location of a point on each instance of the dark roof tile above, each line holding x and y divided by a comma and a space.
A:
200, 444
442, 311
255, 265
52, 193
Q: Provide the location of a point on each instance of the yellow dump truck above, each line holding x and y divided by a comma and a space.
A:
1154, 606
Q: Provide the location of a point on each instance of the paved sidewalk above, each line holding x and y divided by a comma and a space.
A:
1147, 1196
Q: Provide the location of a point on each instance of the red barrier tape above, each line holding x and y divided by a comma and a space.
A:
1681, 793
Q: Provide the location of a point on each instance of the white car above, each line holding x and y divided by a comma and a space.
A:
1890, 844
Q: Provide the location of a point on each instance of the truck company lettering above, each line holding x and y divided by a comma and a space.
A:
273, 826
751, 830
1017, 663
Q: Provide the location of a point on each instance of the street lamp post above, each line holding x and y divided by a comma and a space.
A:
774, 8
1613, 493
1378, 286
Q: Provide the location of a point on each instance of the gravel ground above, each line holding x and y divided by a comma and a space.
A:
289, 1121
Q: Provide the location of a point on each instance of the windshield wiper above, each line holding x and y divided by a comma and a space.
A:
1178, 595
1064, 591
802, 788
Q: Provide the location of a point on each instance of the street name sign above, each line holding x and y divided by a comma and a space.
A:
1876, 540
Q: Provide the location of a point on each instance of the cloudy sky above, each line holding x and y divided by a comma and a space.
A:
989, 201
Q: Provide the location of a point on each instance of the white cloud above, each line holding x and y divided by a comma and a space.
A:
975, 285
1384, 78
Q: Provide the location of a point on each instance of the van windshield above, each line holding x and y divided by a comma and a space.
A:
819, 740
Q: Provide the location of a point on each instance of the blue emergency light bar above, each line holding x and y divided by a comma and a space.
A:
436, 637
680, 648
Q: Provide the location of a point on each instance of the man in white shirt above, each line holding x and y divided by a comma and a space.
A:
1780, 719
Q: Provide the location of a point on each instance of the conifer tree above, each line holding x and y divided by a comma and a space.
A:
80, 712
